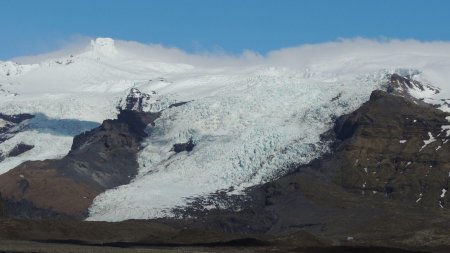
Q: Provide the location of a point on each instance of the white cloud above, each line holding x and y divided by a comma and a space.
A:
339, 57
298, 56
65, 47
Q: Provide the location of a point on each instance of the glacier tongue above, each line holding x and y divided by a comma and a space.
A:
245, 134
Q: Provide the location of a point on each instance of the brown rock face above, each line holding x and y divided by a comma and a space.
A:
40, 184
396, 148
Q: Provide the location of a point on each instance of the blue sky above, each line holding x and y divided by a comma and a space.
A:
37, 26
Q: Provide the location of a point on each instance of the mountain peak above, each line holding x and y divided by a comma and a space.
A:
103, 46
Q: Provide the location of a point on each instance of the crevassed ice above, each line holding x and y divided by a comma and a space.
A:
245, 134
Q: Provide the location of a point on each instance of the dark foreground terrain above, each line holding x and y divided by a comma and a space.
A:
381, 188
148, 236
17, 246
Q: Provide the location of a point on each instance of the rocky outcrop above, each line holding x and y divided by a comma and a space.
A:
135, 100
403, 85
180, 147
20, 149
106, 156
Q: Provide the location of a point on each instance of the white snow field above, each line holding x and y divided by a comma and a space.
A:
250, 116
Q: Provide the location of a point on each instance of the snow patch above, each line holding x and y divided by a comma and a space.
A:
446, 128
4, 123
443, 193
427, 142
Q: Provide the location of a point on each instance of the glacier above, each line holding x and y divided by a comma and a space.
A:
250, 116
245, 134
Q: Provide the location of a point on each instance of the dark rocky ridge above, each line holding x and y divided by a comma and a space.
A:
99, 159
180, 147
20, 149
401, 85
17, 118
105, 157
135, 101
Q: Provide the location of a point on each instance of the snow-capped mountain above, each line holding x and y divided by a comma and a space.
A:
250, 117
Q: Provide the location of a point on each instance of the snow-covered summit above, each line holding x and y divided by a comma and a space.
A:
104, 46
